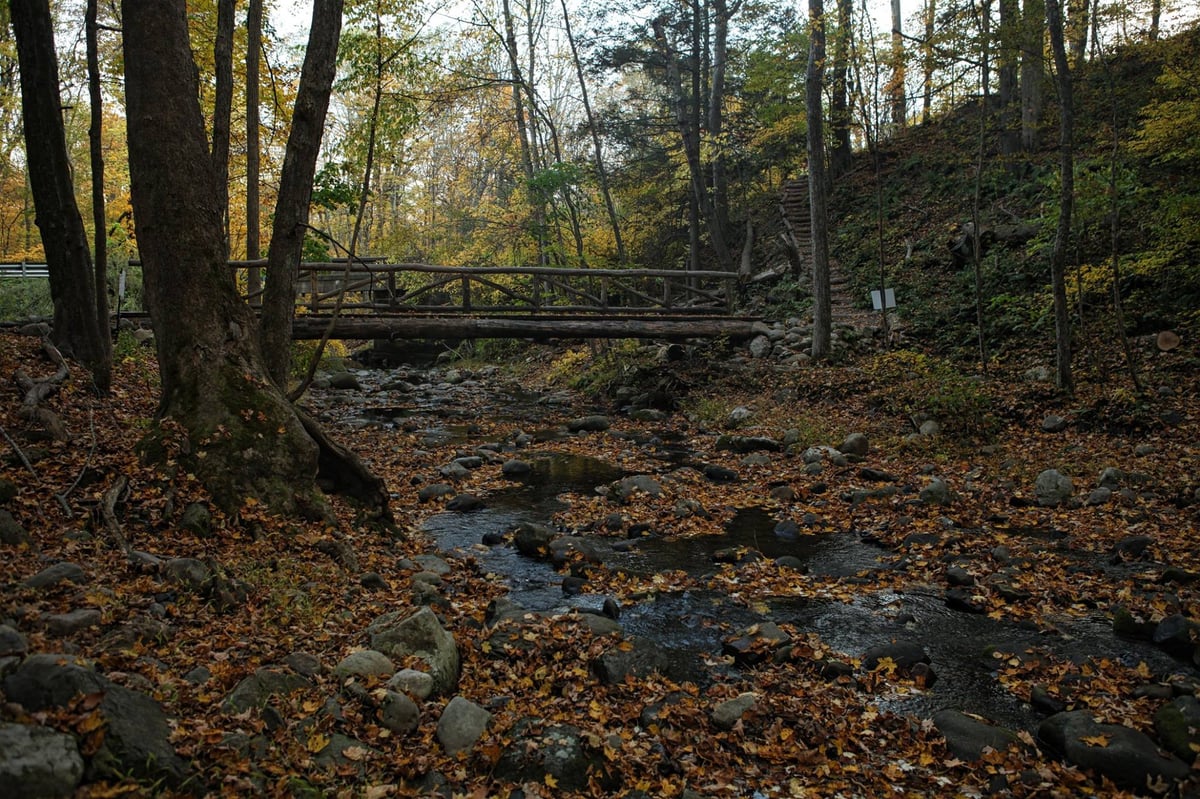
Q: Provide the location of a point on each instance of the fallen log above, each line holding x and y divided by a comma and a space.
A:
538, 329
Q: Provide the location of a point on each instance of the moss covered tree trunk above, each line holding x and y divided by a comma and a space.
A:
240, 435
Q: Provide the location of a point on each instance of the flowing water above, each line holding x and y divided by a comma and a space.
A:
691, 625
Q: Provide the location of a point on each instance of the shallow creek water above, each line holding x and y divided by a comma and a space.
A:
691, 625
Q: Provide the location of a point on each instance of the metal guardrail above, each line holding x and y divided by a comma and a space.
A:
24, 270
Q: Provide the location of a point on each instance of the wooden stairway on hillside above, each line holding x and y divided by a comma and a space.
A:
798, 225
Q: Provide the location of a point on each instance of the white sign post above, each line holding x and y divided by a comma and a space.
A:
888, 300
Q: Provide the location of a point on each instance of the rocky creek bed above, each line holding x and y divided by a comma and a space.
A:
625, 600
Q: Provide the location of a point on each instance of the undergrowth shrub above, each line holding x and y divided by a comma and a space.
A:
912, 383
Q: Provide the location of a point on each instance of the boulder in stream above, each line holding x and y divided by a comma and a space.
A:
1127, 757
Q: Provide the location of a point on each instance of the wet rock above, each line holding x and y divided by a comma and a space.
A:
11, 532
876, 475
63, 624
1176, 634
641, 659
461, 725
38, 762
904, 654
1053, 488
514, 467
412, 682
1043, 701
589, 424
258, 689
420, 635
730, 712
756, 643
469, 462
855, 444
564, 548
365, 664
533, 540
398, 713
454, 471
1178, 727
968, 738
1053, 423
1127, 757
465, 503
961, 599
1126, 625
58, 573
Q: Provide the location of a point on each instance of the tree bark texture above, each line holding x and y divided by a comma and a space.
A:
898, 89
254, 15
1033, 70
817, 187
295, 187
96, 157
79, 331
839, 103
223, 103
1008, 56
1062, 236
242, 438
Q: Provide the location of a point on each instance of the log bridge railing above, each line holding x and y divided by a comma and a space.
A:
381, 300
425, 288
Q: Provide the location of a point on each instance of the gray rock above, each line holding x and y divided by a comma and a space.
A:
515, 467
968, 738
1178, 727
61, 624
626, 487
434, 490
760, 347
557, 751
641, 660
904, 654
1052, 488
38, 763
187, 572
719, 474
930, 428
1110, 477
344, 381
461, 725
744, 444
399, 713
58, 573
11, 642
365, 663
1054, 424
647, 415
11, 532
855, 444
342, 752
197, 519
454, 471
1127, 757
957, 575
589, 424
533, 540
464, 503
1098, 496
412, 682
136, 735
739, 416
257, 689
420, 635
728, 713
936, 492
433, 563
470, 462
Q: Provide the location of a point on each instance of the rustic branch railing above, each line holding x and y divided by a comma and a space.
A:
501, 290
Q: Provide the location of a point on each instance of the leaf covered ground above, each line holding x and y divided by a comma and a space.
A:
806, 735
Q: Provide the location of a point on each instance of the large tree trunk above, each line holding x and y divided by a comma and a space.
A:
222, 417
817, 188
78, 329
1033, 38
897, 88
1062, 236
716, 111
1008, 57
295, 187
96, 153
839, 104
253, 230
223, 104
927, 62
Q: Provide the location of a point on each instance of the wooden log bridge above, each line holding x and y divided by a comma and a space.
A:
371, 300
